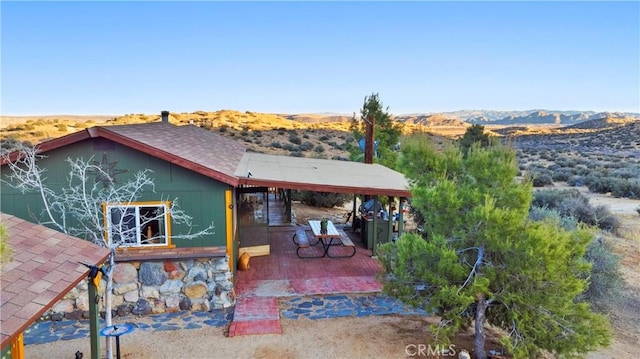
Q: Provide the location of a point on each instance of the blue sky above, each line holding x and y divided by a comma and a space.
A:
295, 57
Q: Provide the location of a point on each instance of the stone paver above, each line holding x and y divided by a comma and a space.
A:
312, 307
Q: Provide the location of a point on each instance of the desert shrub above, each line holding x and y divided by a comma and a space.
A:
281, 132
340, 158
293, 138
561, 174
599, 184
580, 208
576, 181
305, 135
551, 198
606, 220
550, 214
257, 133
626, 188
296, 154
540, 179
276, 144
324, 137
306, 146
321, 199
605, 281
319, 149
289, 147
223, 128
244, 133
572, 203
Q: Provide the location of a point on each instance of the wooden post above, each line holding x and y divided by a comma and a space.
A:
94, 323
288, 205
17, 347
390, 223
369, 137
401, 217
374, 222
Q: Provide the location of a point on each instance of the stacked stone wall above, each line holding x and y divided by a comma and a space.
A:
149, 287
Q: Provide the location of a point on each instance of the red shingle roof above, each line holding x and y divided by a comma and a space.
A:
44, 266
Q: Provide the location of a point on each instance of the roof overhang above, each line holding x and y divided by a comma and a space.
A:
320, 175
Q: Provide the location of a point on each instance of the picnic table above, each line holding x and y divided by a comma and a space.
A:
324, 237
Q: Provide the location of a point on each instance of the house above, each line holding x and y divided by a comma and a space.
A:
44, 266
215, 179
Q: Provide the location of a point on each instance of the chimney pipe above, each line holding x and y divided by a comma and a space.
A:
165, 116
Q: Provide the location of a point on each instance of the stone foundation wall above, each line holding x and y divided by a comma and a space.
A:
147, 287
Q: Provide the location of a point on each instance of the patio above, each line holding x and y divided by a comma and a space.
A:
283, 274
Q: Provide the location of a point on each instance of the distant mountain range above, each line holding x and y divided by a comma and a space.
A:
532, 117
482, 117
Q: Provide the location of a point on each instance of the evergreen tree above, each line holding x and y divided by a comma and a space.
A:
474, 134
483, 262
386, 131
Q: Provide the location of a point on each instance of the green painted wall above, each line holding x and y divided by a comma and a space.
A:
199, 196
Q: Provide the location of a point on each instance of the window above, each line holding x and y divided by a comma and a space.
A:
138, 225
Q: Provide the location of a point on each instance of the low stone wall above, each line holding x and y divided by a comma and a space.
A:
146, 287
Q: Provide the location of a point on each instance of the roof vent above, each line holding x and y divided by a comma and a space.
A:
165, 116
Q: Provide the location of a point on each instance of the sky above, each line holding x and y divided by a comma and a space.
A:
114, 58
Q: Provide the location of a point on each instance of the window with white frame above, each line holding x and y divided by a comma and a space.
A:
138, 225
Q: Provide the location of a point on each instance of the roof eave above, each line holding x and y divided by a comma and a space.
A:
251, 181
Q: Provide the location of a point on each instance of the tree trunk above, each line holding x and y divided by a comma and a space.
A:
481, 309
478, 341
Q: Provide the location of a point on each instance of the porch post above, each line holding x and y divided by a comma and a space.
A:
94, 324
401, 217
354, 214
390, 223
287, 203
374, 235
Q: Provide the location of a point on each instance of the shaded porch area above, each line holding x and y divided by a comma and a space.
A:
282, 273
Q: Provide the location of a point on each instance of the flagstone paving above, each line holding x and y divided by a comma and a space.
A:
312, 307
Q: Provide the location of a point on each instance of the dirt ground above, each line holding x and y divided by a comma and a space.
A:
366, 337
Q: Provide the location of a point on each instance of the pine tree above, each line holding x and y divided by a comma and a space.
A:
386, 131
482, 261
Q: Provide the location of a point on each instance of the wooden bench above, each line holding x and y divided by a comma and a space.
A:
344, 238
301, 240
346, 242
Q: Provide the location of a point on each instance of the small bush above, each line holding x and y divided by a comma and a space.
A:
295, 139
276, 144
306, 146
572, 203
541, 179
605, 282
319, 149
569, 223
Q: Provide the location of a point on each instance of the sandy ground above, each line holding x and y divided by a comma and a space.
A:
368, 337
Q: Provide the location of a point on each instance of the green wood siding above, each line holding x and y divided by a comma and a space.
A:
199, 196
